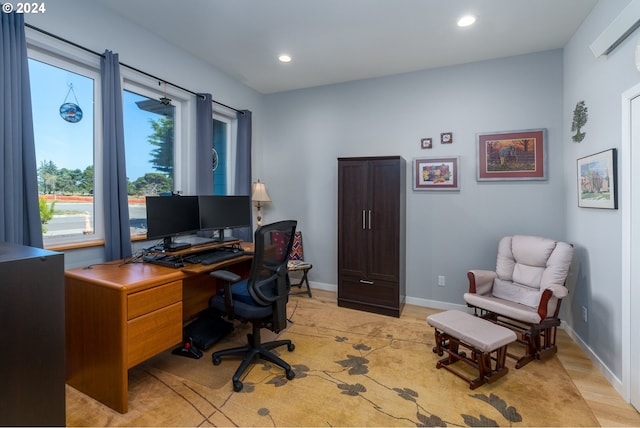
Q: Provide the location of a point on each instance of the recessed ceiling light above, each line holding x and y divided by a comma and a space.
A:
284, 58
466, 20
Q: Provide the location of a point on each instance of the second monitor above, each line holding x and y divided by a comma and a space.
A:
224, 212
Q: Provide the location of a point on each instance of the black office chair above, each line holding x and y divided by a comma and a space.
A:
260, 299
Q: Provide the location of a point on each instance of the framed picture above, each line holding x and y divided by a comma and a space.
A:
436, 173
512, 155
597, 182
426, 143
446, 138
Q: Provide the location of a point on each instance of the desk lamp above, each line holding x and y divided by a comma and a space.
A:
259, 196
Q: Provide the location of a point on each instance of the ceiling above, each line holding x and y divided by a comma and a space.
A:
333, 41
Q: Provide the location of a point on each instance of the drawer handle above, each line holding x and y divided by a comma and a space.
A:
364, 281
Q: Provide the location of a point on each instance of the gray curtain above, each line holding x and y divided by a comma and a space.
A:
204, 141
19, 209
117, 238
243, 167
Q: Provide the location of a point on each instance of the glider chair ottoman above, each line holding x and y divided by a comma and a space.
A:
524, 292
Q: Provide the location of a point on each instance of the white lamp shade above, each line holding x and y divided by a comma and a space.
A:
259, 193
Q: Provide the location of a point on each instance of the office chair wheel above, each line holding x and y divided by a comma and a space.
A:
291, 347
217, 361
237, 386
290, 374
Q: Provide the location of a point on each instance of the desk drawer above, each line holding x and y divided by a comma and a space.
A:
152, 333
144, 302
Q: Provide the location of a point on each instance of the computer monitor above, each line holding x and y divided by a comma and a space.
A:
224, 212
170, 216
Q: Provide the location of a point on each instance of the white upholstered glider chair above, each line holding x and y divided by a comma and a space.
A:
525, 291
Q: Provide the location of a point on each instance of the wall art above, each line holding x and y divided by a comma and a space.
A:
580, 117
436, 173
446, 138
512, 155
597, 180
426, 143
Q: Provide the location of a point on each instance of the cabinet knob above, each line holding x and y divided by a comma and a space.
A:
364, 281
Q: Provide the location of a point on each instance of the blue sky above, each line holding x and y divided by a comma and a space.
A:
70, 145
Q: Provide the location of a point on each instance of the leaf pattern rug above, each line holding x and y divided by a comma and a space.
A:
352, 368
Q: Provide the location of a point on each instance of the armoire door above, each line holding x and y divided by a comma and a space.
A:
352, 218
383, 219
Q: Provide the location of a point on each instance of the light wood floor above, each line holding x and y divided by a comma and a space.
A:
605, 402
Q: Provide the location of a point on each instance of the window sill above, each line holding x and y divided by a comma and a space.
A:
87, 244
75, 245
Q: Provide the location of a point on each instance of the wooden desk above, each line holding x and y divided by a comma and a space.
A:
118, 315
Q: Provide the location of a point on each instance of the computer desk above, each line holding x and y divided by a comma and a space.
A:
119, 315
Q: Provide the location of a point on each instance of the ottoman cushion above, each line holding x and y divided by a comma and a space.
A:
483, 335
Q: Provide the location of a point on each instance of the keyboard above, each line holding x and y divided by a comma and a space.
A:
215, 256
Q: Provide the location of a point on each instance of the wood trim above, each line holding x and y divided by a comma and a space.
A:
75, 245
544, 301
472, 282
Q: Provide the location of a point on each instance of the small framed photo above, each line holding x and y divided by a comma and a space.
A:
426, 143
436, 173
512, 155
597, 180
446, 138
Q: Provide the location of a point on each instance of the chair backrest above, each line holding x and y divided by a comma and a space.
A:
527, 265
268, 282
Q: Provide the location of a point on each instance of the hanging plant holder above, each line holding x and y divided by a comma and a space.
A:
71, 112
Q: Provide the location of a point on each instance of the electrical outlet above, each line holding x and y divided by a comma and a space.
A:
584, 313
441, 280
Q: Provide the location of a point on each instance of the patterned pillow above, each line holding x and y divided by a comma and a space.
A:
296, 248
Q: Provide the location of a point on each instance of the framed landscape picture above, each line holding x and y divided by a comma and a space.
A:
436, 173
597, 182
512, 155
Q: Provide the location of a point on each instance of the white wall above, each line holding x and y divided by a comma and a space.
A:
596, 233
448, 233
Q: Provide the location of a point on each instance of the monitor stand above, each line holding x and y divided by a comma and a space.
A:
222, 238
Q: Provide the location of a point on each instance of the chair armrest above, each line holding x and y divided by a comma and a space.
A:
225, 275
559, 291
481, 281
228, 278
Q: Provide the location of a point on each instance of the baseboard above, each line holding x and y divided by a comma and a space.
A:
409, 300
323, 286
436, 304
600, 365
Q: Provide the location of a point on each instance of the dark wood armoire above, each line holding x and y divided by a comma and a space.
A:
32, 333
371, 234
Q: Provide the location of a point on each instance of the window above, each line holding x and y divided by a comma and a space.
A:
63, 96
224, 149
156, 148
149, 140
219, 157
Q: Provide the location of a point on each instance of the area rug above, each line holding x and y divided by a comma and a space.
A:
352, 368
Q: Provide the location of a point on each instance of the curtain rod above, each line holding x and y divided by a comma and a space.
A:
124, 65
